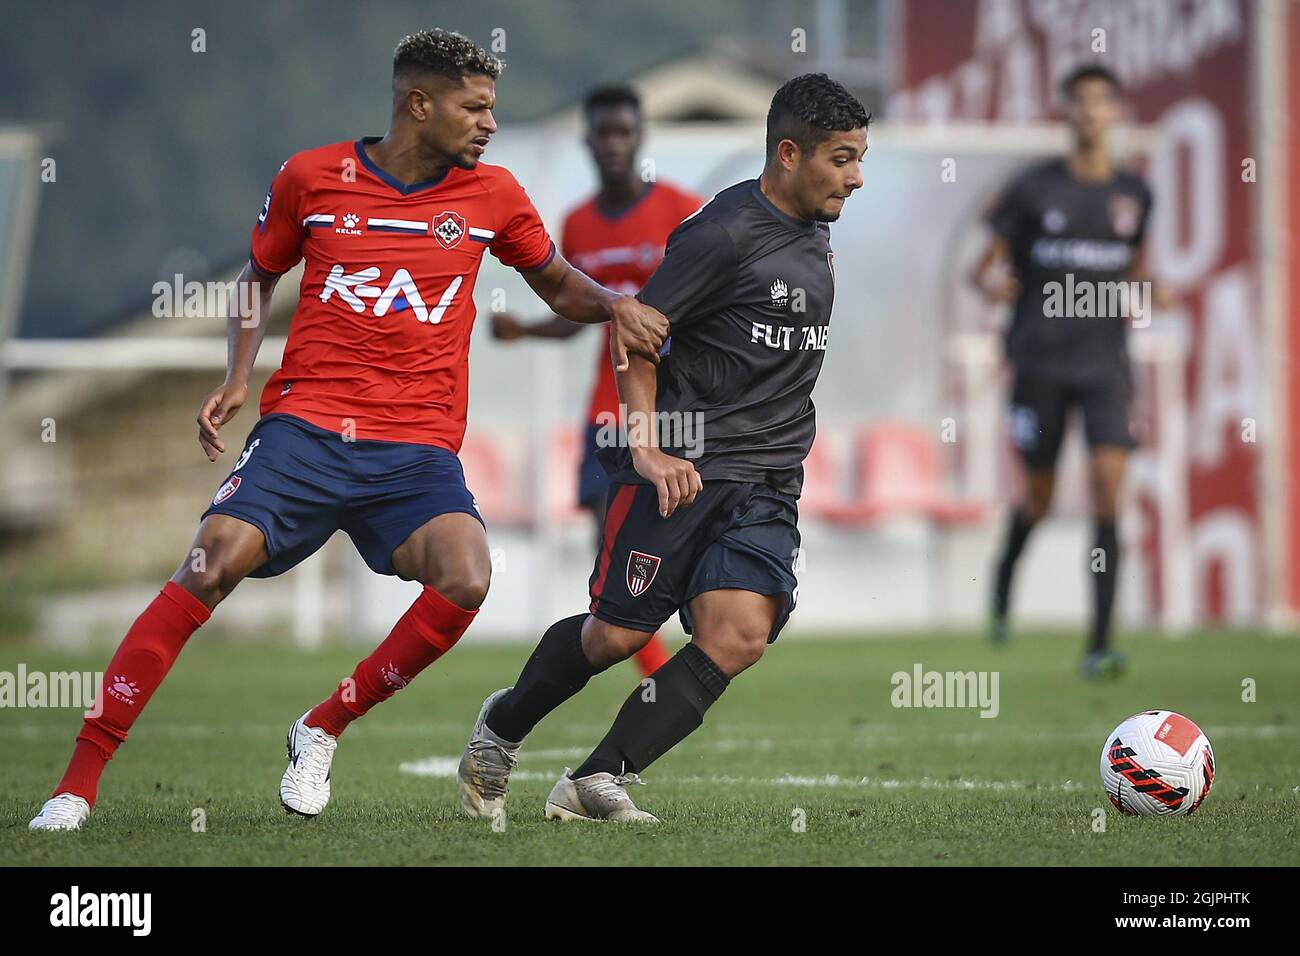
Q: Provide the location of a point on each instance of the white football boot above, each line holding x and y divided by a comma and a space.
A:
63, 811
598, 796
305, 786
484, 771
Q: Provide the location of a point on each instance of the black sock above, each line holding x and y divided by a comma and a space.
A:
1105, 575
556, 671
1018, 529
649, 725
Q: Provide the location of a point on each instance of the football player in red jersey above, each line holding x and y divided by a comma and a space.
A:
617, 237
361, 424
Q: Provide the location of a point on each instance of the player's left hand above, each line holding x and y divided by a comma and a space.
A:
219, 407
674, 478
635, 328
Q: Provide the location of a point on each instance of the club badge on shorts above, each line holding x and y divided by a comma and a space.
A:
228, 489
641, 571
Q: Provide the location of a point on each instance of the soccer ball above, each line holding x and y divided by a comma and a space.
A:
1157, 763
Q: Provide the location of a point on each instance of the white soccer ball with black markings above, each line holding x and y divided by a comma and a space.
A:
1157, 763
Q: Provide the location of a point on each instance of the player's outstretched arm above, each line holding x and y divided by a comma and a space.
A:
676, 479
574, 296
507, 327
248, 314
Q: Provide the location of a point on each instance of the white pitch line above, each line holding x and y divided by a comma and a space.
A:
447, 767
444, 767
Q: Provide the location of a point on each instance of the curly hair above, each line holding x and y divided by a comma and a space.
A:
443, 53
808, 108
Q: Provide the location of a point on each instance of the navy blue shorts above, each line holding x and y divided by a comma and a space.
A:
593, 482
299, 484
735, 535
1041, 404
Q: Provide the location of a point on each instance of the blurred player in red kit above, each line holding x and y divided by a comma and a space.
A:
361, 425
617, 237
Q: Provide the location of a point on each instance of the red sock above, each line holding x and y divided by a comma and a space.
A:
428, 629
653, 656
142, 660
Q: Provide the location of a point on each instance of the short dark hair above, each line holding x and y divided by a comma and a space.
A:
1088, 71
808, 108
612, 94
443, 53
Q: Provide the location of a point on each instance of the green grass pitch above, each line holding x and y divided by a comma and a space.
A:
803, 761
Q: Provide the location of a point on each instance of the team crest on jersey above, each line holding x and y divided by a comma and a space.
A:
780, 293
228, 489
641, 571
830, 261
1054, 221
1125, 214
448, 228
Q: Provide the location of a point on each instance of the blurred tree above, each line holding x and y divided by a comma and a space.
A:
164, 153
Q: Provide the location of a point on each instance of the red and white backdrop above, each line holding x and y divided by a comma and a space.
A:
1187, 66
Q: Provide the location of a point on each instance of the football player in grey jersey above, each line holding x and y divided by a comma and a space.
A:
701, 517
1066, 253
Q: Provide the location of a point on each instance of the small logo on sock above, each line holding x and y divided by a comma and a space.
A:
123, 689
393, 677
641, 571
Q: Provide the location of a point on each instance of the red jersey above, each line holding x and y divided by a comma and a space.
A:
379, 343
620, 251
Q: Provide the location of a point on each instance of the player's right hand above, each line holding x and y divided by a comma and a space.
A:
218, 408
676, 479
635, 328
506, 328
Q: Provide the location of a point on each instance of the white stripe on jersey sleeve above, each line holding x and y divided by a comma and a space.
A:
414, 224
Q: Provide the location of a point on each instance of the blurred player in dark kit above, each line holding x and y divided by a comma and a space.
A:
1074, 225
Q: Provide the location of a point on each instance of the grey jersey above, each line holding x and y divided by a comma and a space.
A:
747, 291
1065, 232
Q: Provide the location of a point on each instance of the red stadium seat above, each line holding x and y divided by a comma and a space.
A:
562, 472
488, 475
900, 472
823, 485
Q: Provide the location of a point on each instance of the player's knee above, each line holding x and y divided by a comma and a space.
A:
736, 647
606, 644
208, 580
465, 586
1105, 500
1036, 503
1033, 510
750, 645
